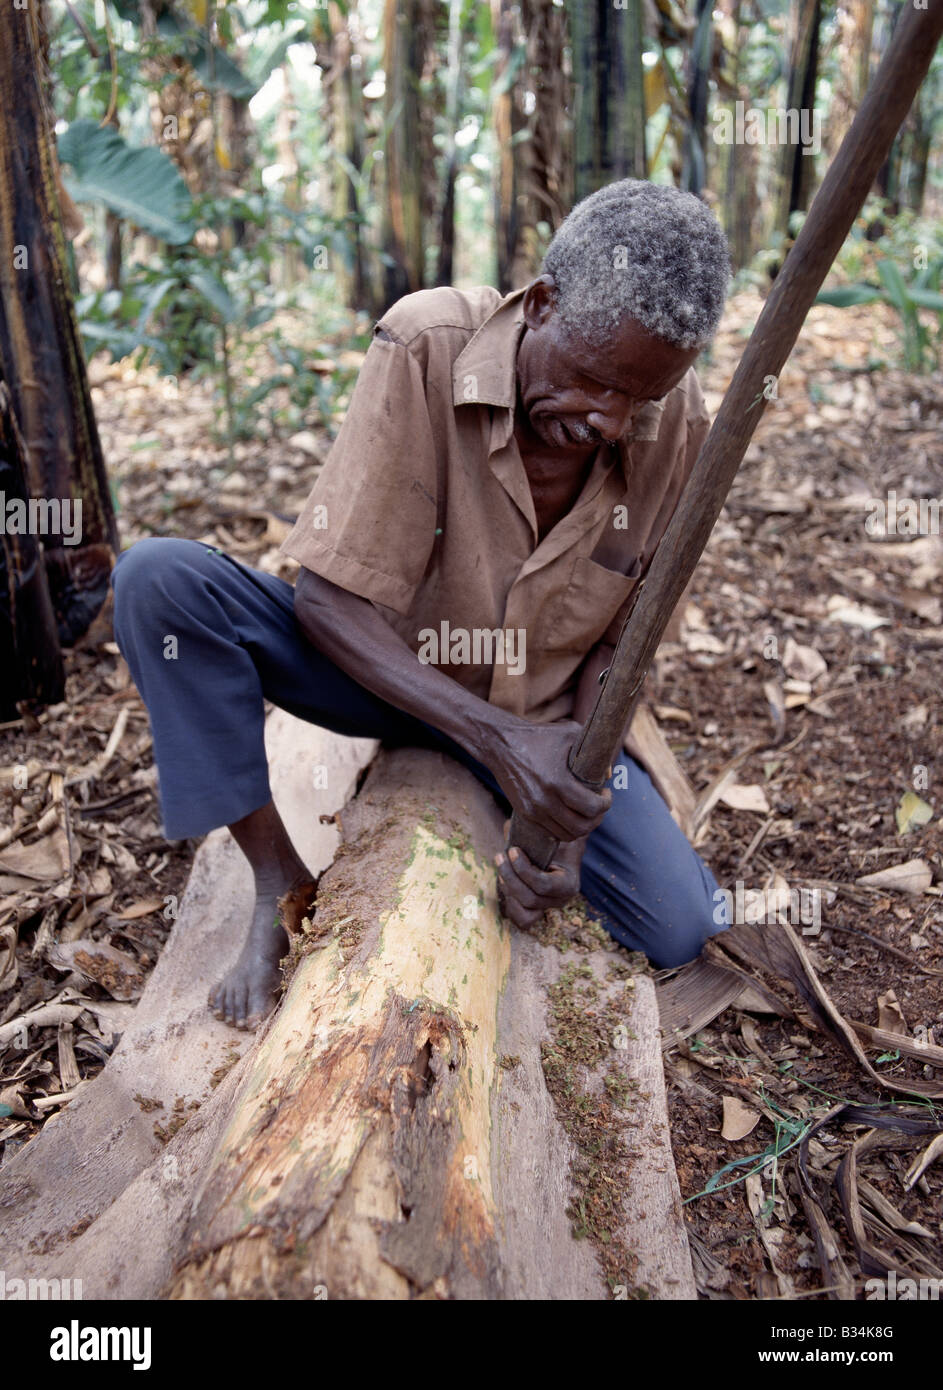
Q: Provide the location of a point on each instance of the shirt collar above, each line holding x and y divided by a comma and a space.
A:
484, 372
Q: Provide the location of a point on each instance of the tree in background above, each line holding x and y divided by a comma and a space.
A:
31, 668
608, 93
339, 59
694, 152
797, 170
47, 404
531, 127
407, 34
740, 205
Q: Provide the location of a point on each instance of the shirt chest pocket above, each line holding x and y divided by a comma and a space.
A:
588, 606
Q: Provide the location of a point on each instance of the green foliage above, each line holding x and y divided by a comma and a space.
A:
157, 313
211, 63
295, 377
172, 309
172, 312
903, 270
141, 185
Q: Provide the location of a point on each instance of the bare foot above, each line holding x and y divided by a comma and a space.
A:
249, 992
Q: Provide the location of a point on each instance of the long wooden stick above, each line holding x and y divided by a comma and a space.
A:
830, 218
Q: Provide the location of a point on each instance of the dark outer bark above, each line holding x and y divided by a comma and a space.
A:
799, 168
694, 169
833, 211
608, 93
40, 350
30, 660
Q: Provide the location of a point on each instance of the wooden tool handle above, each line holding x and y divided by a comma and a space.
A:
834, 209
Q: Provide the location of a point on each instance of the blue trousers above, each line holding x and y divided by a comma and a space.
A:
208, 641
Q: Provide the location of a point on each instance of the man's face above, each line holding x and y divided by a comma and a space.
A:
573, 397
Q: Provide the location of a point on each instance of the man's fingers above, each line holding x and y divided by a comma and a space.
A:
562, 823
515, 888
545, 883
568, 827
521, 914
581, 812
582, 800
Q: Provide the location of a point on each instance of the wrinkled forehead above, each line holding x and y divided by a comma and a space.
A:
632, 360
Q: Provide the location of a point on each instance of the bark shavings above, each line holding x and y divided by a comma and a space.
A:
593, 1093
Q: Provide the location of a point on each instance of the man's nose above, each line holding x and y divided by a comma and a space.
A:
613, 418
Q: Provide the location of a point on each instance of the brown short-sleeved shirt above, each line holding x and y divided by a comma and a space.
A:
423, 506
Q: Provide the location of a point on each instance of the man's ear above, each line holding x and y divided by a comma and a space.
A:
539, 300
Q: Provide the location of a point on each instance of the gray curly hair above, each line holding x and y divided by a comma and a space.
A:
644, 251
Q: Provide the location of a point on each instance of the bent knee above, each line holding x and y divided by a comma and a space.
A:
673, 949
152, 566
690, 920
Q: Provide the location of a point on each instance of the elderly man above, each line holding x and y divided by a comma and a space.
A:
468, 554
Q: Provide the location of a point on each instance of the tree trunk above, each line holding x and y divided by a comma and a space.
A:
798, 168
550, 175
235, 132
530, 124
402, 230
887, 183
113, 232
445, 268
608, 93
341, 85
740, 169
694, 153
917, 140
377, 1148
855, 24
289, 267
507, 119
30, 661
40, 351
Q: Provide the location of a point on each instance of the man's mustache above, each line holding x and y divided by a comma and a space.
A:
578, 430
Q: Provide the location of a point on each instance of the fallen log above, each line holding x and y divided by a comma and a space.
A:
441, 1107
378, 1147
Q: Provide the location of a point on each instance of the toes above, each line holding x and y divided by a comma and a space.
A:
242, 1004
224, 1003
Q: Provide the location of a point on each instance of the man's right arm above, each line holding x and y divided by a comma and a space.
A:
528, 761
